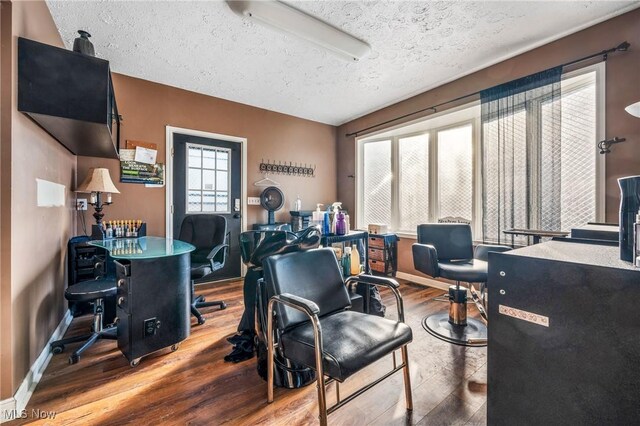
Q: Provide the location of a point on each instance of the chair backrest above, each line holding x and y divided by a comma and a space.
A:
451, 240
205, 231
314, 275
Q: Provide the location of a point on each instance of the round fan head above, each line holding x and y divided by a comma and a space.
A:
272, 199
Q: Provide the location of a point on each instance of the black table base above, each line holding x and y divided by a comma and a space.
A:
473, 334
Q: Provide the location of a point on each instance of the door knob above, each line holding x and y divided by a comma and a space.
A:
237, 216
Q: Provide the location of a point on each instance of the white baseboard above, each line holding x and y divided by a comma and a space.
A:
7, 406
430, 282
19, 401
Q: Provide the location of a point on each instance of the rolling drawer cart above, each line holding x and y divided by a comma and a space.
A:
383, 254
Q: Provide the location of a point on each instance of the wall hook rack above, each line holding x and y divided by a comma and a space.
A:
288, 168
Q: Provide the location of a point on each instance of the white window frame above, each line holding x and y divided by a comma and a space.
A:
202, 190
395, 133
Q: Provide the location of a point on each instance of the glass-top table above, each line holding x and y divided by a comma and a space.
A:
143, 247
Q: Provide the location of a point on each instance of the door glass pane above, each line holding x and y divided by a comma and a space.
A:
222, 181
209, 180
414, 182
222, 202
208, 201
455, 172
195, 157
377, 182
223, 160
208, 158
194, 179
195, 202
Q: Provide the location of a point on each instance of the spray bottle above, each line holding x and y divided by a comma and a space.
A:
335, 207
341, 223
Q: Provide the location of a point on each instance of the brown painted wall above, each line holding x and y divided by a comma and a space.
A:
38, 235
622, 89
148, 107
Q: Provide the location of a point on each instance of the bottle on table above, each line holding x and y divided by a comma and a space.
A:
355, 260
341, 223
346, 262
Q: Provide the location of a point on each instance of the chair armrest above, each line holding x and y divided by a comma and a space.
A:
213, 253
481, 252
373, 280
299, 303
390, 283
425, 259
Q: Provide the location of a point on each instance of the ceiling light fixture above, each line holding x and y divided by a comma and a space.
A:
286, 18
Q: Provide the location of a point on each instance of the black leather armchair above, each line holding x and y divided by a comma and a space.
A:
316, 328
446, 250
209, 234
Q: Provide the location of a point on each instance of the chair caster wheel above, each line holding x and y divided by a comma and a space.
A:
175, 347
201, 321
57, 349
73, 359
223, 306
134, 363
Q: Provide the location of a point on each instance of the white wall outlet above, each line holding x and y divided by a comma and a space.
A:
253, 201
81, 204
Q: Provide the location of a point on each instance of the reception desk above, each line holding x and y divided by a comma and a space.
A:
153, 293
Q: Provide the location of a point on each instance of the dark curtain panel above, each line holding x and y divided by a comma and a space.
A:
520, 169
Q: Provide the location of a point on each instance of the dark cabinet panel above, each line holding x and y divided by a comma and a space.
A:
70, 96
563, 336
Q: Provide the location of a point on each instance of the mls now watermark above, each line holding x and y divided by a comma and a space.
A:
34, 413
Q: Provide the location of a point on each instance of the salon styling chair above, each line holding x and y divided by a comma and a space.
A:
446, 250
311, 323
208, 233
94, 291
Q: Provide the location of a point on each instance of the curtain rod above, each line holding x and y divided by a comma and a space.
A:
622, 47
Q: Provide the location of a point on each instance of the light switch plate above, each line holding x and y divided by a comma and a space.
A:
253, 201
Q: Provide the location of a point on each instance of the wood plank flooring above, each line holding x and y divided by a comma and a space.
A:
195, 386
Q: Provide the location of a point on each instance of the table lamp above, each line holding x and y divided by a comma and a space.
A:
98, 182
634, 109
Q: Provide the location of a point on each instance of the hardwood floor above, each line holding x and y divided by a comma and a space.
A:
195, 386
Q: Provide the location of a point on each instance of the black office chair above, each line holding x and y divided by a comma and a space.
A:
316, 328
95, 291
446, 250
208, 232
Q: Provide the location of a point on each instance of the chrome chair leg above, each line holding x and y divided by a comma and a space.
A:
407, 379
270, 355
322, 397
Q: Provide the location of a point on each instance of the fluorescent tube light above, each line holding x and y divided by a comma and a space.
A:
286, 18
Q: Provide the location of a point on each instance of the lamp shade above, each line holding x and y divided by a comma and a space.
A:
634, 109
98, 180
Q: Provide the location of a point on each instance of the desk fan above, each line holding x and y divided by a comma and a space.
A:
272, 200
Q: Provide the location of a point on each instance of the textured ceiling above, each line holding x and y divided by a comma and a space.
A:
206, 48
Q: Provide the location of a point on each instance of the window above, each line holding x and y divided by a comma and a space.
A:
431, 170
550, 168
420, 176
455, 172
208, 174
414, 181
